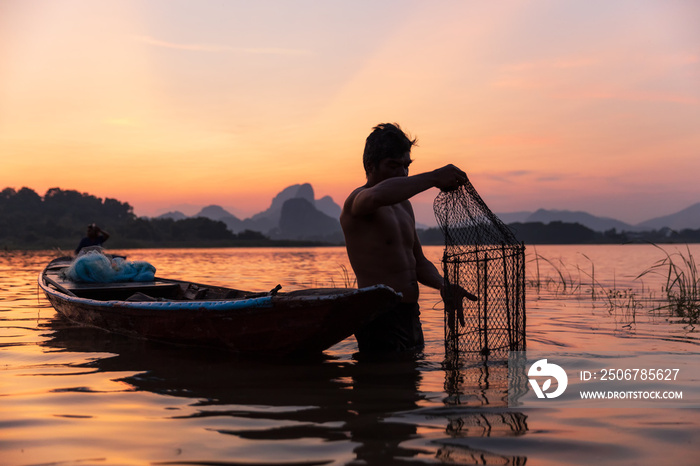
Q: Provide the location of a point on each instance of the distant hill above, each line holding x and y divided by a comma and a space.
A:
174, 215
686, 218
56, 221
305, 218
218, 213
300, 220
514, 217
328, 206
214, 212
268, 220
553, 233
582, 218
30, 221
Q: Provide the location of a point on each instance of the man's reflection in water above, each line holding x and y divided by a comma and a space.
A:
362, 402
382, 387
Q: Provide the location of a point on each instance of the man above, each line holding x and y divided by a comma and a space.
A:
95, 237
380, 236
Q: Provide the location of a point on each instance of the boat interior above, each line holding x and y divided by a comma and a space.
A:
157, 290
162, 289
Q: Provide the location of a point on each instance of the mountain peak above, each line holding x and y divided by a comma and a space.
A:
684, 219
304, 191
299, 219
214, 212
173, 215
583, 218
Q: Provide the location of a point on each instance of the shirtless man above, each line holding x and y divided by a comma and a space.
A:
381, 240
95, 237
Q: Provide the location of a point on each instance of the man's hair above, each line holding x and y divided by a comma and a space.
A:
386, 141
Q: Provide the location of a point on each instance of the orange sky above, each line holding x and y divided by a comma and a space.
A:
546, 104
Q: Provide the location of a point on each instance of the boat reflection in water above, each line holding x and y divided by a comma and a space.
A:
373, 410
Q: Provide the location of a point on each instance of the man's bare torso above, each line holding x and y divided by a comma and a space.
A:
387, 233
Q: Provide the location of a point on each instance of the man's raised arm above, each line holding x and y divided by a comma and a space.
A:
398, 189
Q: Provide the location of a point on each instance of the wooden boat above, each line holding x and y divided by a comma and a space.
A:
174, 311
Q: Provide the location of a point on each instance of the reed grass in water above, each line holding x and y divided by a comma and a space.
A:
682, 287
562, 283
681, 290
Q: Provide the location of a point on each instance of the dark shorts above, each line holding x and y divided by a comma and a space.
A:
398, 329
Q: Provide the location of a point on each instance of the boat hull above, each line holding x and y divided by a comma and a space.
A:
295, 323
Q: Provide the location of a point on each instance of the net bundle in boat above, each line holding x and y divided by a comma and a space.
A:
482, 256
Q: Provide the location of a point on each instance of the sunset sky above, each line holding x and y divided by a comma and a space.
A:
164, 104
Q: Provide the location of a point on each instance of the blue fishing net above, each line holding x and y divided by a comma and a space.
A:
96, 267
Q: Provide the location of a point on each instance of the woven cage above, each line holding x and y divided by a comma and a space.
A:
482, 256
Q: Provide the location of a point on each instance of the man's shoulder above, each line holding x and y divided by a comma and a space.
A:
348, 216
347, 205
356, 191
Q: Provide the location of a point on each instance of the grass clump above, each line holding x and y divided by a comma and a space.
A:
680, 296
563, 283
682, 284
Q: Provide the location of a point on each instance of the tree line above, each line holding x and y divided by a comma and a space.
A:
59, 219
575, 233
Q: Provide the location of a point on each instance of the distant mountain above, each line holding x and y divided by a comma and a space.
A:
514, 217
269, 221
582, 218
328, 206
299, 219
214, 212
686, 218
303, 191
218, 213
174, 215
294, 213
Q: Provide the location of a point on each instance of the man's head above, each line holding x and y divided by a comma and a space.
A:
386, 141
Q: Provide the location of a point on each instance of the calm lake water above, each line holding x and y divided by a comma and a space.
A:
78, 396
